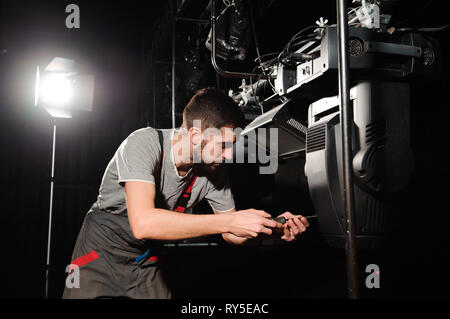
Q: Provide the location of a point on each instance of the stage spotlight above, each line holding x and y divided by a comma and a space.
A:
60, 90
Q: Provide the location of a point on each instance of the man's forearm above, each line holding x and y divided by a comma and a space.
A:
161, 224
236, 240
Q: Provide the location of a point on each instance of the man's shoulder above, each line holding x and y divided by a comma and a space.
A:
147, 136
144, 133
149, 133
141, 140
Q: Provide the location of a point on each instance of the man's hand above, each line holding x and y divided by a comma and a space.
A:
250, 223
294, 226
245, 232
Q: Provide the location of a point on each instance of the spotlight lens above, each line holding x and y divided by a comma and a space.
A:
56, 90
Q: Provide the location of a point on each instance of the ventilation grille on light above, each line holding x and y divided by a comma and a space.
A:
355, 47
297, 125
316, 138
428, 56
375, 132
375, 219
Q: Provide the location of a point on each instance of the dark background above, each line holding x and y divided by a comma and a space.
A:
113, 44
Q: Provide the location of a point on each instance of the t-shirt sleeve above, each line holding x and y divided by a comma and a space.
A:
220, 197
137, 158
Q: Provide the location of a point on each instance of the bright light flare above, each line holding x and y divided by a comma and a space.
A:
56, 90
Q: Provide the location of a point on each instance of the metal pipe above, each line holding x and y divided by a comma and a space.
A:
346, 115
173, 60
255, 38
154, 91
52, 179
225, 74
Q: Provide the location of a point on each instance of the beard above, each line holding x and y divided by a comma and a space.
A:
209, 167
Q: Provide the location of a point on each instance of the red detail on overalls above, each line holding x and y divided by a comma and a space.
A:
83, 260
189, 189
153, 258
186, 195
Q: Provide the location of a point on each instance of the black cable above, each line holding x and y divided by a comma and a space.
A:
265, 55
422, 29
305, 38
296, 45
252, 22
287, 48
251, 80
303, 30
271, 61
305, 35
283, 55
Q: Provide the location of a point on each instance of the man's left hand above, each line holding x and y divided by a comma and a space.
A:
294, 226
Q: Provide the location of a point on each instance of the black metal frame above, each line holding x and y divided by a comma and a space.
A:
346, 115
174, 15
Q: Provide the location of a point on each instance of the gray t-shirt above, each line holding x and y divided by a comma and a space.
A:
137, 159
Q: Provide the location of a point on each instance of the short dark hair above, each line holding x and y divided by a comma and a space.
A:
214, 108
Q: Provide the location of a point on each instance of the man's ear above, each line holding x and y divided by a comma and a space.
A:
195, 135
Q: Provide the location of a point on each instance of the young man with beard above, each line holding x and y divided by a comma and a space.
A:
153, 180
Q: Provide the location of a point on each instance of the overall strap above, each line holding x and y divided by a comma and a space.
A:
186, 195
158, 169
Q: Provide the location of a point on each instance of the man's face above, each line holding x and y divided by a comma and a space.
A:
217, 146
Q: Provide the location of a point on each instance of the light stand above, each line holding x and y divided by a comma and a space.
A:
52, 181
60, 90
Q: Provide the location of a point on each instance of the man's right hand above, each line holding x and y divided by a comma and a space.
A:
251, 222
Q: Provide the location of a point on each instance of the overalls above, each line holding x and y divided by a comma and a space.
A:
114, 264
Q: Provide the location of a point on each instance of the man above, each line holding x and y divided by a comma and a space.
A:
153, 180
